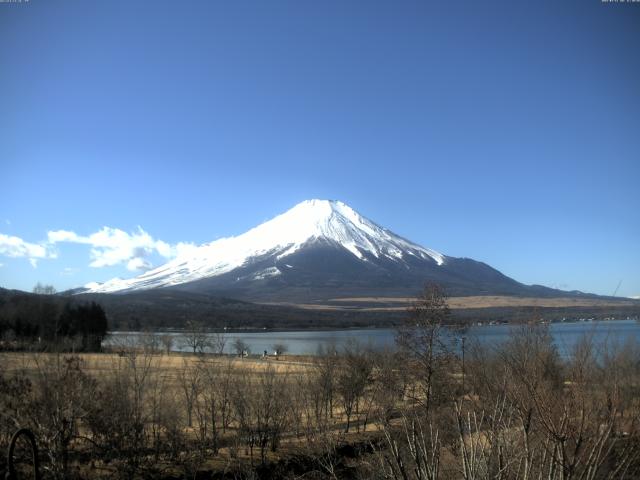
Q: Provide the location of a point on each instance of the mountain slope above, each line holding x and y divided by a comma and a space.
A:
317, 250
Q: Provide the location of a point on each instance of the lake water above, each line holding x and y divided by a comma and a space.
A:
302, 342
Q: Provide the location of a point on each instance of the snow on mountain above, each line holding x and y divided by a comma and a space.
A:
308, 222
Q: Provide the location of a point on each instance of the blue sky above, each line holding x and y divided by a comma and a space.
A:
507, 132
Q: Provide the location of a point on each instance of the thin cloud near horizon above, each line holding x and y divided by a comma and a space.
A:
109, 247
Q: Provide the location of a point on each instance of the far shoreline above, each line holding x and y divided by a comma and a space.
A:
177, 331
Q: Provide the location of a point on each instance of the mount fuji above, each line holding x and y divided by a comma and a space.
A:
317, 250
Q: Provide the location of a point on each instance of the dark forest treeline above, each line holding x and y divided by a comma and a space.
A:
45, 319
167, 309
164, 309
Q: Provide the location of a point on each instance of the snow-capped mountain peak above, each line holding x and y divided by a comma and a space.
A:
309, 222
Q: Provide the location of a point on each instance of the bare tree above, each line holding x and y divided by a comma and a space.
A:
528, 412
150, 342
211, 404
195, 337
391, 380
240, 347
189, 380
167, 343
41, 289
353, 377
15, 394
119, 423
534, 415
326, 365
217, 342
428, 344
261, 411
413, 449
63, 397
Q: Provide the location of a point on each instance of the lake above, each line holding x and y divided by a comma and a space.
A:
306, 342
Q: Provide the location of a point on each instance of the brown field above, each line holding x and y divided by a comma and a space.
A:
168, 370
98, 364
368, 304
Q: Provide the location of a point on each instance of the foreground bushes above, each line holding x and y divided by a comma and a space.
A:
515, 411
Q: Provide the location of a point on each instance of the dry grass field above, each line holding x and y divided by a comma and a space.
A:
99, 365
174, 378
378, 304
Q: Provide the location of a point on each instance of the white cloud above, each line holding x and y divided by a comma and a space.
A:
183, 248
62, 236
112, 246
11, 246
16, 247
109, 247
139, 263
